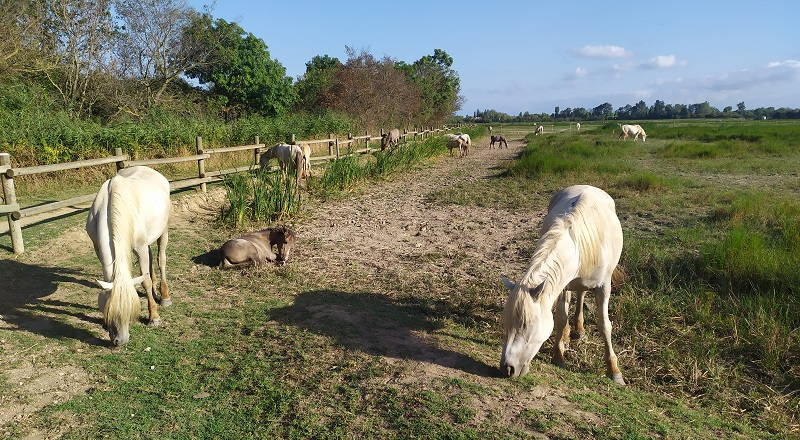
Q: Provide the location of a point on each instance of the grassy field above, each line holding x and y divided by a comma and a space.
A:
705, 326
710, 214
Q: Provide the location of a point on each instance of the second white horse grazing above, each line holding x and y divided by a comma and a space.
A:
289, 156
579, 248
633, 130
130, 212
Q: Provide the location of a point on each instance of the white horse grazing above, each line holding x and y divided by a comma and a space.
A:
289, 156
306, 149
539, 130
455, 141
130, 211
633, 130
579, 248
578, 126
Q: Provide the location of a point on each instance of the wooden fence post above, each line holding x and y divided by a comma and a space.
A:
294, 142
120, 163
330, 145
366, 141
14, 226
201, 163
336, 143
257, 152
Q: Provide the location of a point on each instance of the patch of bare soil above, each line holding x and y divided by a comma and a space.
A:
31, 388
392, 225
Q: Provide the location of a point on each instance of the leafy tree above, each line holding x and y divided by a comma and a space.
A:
740, 108
639, 110
603, 111
240, 69
438, 83
317, 78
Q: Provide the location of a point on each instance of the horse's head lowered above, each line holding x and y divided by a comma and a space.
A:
283, 239
526, 327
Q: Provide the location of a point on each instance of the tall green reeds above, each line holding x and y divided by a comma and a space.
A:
263, 197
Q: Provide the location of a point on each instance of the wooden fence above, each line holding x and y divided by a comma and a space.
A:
12, 210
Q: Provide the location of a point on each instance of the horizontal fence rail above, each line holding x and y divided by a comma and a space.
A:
14, 212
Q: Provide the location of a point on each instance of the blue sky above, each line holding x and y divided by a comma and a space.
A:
518, 56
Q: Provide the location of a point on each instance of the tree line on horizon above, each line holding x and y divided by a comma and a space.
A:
112, 60
640, 110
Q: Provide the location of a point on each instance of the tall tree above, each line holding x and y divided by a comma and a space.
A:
438, 83
239, 68
82, 35
373, 91
154, 44
317, 78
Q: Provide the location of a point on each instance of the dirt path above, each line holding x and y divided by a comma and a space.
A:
393, 222
393, 228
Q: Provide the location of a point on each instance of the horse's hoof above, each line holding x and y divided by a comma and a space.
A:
617, 378
166, 302
575, 335
153, 323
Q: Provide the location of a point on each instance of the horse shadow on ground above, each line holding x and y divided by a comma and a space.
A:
377, 325
210, 258
24, 305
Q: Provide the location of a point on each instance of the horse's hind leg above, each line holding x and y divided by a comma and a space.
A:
145, 263
601, 297
166, 299
577, 324
561, 328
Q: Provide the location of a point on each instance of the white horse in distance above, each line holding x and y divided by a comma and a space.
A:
130, 212
295, 157
633, 130
578, 250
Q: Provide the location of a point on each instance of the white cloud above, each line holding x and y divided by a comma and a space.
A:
793, 64
580, 72
774, 72
602, 51
663, 62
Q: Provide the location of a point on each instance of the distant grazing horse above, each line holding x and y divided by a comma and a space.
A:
490, 129
632, 130
130, 212
579, 248
289, 157
390, 139
306, 149
539, 130
467, 143
458, 141
578, 126
255, 248
500, 140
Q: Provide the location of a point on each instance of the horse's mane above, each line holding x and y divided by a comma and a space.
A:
547, 265
534, 287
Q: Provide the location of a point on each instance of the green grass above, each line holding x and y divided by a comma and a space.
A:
714, 293
38, 131
345, 173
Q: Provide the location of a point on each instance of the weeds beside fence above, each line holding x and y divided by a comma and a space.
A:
274, 197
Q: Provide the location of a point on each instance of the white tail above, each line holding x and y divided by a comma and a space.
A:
122, 305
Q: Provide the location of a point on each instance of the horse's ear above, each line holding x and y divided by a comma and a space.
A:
104, 284
510, 285
536, 291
